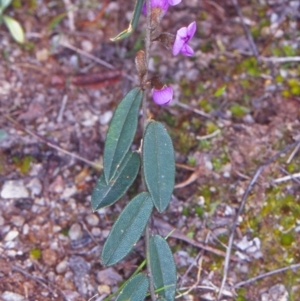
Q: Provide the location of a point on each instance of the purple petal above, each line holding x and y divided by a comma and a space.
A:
174, 2
191, 29
162, 4
180, 40
187, 50
163, 96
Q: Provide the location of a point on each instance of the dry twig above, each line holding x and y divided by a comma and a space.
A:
50, 144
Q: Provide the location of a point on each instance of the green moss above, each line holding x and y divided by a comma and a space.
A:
238, 111
35, 253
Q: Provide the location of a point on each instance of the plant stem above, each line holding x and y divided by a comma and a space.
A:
147, 230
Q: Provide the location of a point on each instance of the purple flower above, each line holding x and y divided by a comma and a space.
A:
161, 4
183, 36
163, 96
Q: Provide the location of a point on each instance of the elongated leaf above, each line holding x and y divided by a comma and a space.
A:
121, 132
159, 164
4, 4
107, 194
127, 229
15, 29
163, 267
133, 23
135, 289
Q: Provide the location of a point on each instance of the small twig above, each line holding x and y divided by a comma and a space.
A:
287, 178
92, 57
241, 208
271, 273
212, 135
246, 30
41, 281
62, 109
289, 160
42, 139
288, 59
196, 111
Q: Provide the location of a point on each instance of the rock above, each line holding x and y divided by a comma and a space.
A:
87, 46
62, 267
14, 189
35, 187
104, 289
58, 185
96, 231
105, 117
68, 192
11, 235
92, 219
75, 232
42, 55
276, 293
49, 257
17, 220
10, 296
109, 277
79, 265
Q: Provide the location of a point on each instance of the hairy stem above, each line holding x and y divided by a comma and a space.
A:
147, 230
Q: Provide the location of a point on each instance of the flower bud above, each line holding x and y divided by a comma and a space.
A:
140, 63
167, 39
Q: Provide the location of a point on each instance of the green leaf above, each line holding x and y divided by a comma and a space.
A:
107, 194
133, 22
56, 20
127, 229
163, 267
4, 4
220, 91
15, 29
159, 164
135, 289
121, 132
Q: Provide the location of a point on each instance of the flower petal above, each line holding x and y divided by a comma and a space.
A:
174, 2
180, 40
163, 96
191, 29
187, 50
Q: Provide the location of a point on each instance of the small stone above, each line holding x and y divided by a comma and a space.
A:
92, 219
25, 229
87, 46
105, 117
35, 187
17, 220
58, 185
61, 267
10, 296
68, 192
49, 257
75, 232
104, 289
11, 235
108, 276
96, 231
88, 119
42, 55
14, 189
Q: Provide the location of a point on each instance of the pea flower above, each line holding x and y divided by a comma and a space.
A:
162, 96
183, 36
163, 5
